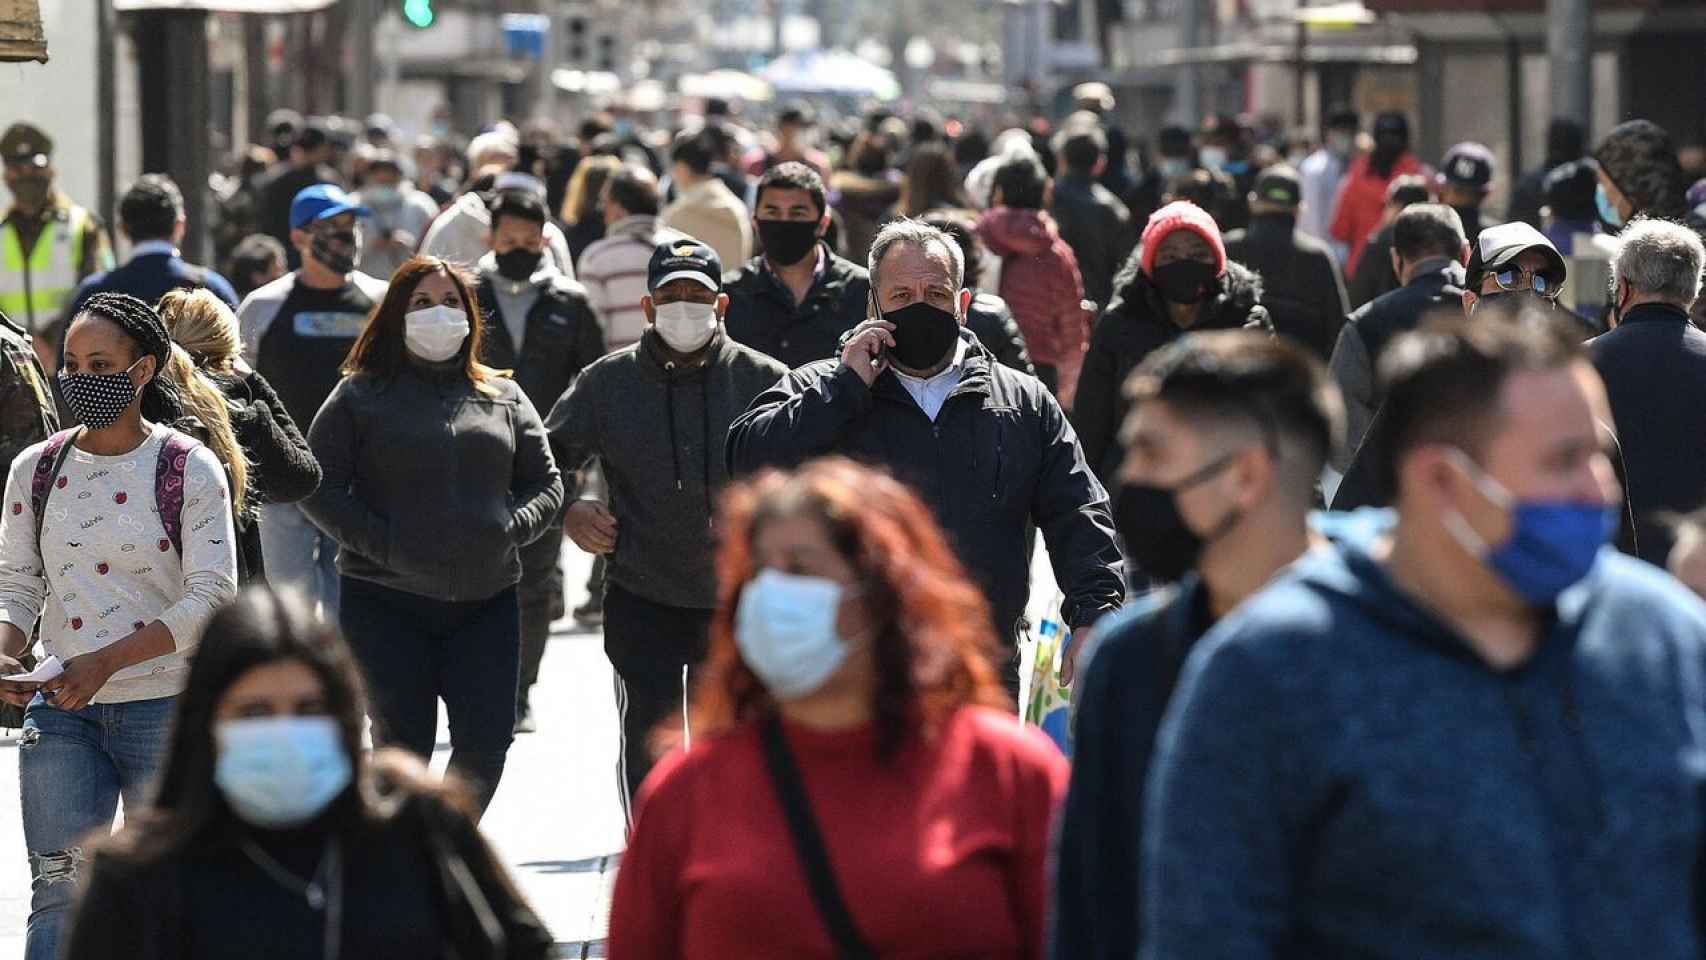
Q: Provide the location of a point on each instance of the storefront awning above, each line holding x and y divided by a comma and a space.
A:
21, 37
226, 6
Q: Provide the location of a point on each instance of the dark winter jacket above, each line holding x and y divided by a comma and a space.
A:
430, 486
1127, 680
562, 335
1301, 285
658, 430
1098, 228
992, 323
282, 468
1340, 775
1653, 365
763, 315
1133, 327
999, 457
1437, 289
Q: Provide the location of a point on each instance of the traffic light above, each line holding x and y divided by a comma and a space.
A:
419, 13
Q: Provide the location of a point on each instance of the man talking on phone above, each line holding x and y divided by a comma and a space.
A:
985, 445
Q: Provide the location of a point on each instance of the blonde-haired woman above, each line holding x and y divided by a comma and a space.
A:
269, 461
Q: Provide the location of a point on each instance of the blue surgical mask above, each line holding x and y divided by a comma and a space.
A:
279, 772
1214, 158
1607, 210
1552, 544
1174, 167
785, 630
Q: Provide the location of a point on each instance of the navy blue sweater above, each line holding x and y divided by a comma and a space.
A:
1340, 776
149, 277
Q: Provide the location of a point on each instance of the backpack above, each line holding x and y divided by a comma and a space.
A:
169, 467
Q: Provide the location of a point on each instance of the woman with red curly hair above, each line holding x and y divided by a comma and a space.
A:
849, 672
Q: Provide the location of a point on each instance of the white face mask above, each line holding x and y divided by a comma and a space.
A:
785, 630
435, 334
686, 326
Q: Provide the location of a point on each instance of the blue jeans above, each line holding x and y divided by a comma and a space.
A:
298, 555
415, 650
73, 765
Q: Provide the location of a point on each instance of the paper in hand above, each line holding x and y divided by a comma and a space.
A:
44, 671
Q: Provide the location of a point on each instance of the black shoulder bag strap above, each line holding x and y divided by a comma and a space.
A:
808, 843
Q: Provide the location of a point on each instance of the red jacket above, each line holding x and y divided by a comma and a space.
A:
1041, 284
1361, 202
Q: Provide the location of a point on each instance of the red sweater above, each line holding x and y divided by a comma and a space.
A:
1041, 284
939, 852
1362, 201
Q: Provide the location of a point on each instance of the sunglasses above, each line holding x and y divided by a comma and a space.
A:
1523, 281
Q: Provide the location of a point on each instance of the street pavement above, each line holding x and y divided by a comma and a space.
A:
555, 819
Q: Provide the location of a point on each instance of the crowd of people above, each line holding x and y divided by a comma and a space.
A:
1378, 554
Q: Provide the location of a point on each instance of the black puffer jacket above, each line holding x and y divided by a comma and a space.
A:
992, 323
1135, 325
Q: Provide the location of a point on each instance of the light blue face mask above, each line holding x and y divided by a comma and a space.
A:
1214, 158
785, 629
1607, 210
278, 772
1552, 543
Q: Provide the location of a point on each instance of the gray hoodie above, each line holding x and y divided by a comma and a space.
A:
658, 428
429, 486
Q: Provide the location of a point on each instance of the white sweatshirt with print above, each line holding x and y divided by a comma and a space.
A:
105, 569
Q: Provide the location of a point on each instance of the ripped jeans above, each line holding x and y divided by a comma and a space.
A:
73, 765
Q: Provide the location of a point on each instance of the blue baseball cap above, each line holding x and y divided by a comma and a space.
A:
321, 201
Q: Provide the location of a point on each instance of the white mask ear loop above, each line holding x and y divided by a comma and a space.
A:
1455, 523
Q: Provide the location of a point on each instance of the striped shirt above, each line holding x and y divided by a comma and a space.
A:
614, 272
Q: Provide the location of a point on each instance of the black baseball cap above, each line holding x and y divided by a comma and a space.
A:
1499, 246
1468, 165
1278, 184
684, 258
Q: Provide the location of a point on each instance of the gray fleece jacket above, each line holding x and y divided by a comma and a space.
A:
657, 427
429, 486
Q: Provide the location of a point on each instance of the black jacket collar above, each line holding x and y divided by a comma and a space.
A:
1644, 312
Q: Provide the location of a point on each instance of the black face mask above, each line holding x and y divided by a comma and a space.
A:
336, 249
518, 264
787, 242
1512, 300
923, 335
1184, 281
1155, 534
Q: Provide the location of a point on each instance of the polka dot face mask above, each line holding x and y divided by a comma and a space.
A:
98, 398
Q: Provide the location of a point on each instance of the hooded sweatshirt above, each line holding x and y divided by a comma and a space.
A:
1040, 282
1340, 775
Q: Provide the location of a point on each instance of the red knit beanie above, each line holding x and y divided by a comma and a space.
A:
1181, 215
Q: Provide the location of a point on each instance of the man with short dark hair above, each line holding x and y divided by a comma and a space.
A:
151, 215
1093, 222
655, 413
1654, 365
1454, 732
614, 266
704, 207
1301, 284
796, 299
987, 447
1228, 433
1428, 253
540, 325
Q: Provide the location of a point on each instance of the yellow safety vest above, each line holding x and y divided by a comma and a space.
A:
34, 289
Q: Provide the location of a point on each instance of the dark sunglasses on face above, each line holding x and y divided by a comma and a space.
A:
1522, 281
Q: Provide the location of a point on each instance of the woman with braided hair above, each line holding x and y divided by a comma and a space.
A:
116, 536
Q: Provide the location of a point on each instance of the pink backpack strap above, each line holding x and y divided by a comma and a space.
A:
47, 470
169, 469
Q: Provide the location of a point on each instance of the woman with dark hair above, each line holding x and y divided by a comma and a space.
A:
849, 718
436, 472
932, 181
116, 536
274, 835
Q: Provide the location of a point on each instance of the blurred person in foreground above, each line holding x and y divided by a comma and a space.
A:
988, 447
1486, 619
855, 784
1228, 433
275, 834
1654, 364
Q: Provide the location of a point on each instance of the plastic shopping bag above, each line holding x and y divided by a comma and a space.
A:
1044, 701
